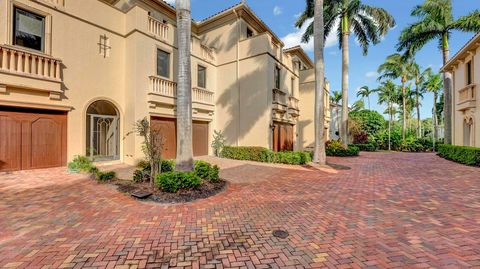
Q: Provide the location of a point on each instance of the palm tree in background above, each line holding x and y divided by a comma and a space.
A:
368, 23
398, 67
365, 92
433, 84
336, 98
319, 155
184, 160
419, 77
387, 93
436, 22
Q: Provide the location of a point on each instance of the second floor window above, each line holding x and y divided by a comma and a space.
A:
469, 73
163, 63
249, 32
202, 77
29, 30
277, 77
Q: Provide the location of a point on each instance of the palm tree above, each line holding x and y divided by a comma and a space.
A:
336, 97
368, 23
358, 105
319, 155
419, 77
365, 92
184, 160
436, 22
433, 83
397, 66
386, 95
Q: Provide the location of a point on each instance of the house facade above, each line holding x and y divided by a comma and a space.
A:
76, 75
465, 69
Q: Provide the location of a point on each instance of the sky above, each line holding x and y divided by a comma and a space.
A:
280, 16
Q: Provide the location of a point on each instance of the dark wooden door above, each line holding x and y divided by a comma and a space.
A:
32, 139
282, 136
166, 127
200, 138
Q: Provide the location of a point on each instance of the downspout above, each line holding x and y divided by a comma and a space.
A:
239, 32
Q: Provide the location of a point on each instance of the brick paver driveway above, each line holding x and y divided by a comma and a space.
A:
389, 210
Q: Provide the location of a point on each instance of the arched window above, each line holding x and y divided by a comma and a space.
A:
102, 131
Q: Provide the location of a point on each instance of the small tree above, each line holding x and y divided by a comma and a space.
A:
152, 146
218, 142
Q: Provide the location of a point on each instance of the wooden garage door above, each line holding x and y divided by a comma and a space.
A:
282, 136
167, 128
32, 139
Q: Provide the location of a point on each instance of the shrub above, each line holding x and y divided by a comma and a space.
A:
168, 166
370, 122
260, 154
218, 142
202, 169
174, 181
104, 176
460, 154
214, 174
336, 148
140, 176
80, 164
366, 147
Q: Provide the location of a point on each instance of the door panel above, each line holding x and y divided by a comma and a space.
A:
200, 138
32, 138
282, 137
166, 127
10, 143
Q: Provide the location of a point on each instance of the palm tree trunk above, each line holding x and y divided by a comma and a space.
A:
390, 127
447, 92
435, 120
368, 99
404, 102
419, 121
319, 153
184, 160
345, 63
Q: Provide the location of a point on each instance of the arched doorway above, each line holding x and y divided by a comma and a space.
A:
102, 131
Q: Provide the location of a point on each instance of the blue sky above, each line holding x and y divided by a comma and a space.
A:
280, 16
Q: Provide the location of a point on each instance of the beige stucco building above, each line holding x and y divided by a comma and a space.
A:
465, 67
76, 75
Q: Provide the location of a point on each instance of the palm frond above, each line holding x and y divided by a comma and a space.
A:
468, 23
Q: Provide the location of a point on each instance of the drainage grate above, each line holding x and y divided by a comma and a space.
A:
141, 194
280, 234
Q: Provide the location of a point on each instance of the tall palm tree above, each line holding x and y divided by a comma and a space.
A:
336, 97
365, 92
433, 83
386, 95
319, 155
368, 23
397, 66
419, 77
436, 22
184, 160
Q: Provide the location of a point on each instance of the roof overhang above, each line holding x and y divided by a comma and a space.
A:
300, 53
463, 53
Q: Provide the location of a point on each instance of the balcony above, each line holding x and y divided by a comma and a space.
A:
293, 107
158, 28
467, 97
208, 54
164, 91
26, 69
279, 100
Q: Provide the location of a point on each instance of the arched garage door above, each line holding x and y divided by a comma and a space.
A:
31, 139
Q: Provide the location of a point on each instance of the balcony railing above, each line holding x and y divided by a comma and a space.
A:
165, 87
279, 97
467, 94
158, 28
55, 3
27, 63
293, 102
208, 53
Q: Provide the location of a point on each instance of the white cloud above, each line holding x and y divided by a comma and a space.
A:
277, 10
371, 74
295, 38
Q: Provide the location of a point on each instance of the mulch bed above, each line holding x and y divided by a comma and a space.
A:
205, 190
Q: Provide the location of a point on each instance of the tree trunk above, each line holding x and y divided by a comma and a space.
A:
345, 62
435, 120
404, 103
184, 160
390, 126
447, 93
419, 120
318, 30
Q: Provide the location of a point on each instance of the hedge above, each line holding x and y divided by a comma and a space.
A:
260, 154
460, 154
336, 148
365, 147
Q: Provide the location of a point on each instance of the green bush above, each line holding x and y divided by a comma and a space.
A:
202, 169
214, 174
81, 164
104, 176
336, 148
370, 121
174, 181
168, 166
366, 147
260, 154
460, 154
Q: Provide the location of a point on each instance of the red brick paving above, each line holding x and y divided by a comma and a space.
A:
391, 210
